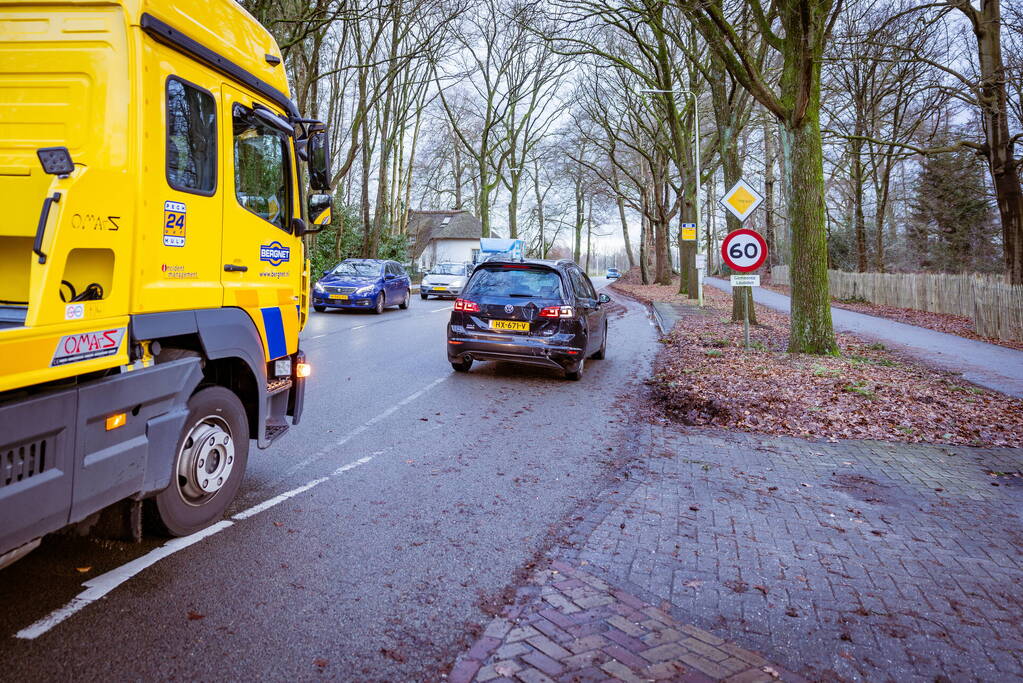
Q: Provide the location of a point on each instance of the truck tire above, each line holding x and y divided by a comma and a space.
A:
209, 463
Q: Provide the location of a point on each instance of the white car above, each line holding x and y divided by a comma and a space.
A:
445, 279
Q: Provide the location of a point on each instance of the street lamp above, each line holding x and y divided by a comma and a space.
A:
696, 152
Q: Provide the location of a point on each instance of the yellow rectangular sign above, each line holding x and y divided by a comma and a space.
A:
689, 232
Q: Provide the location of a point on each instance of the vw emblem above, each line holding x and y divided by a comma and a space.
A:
509, 308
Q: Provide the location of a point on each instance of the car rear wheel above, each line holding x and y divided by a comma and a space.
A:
576, 373
378, 306
319, 309
212, 452
462, 365
602, 351
405, 302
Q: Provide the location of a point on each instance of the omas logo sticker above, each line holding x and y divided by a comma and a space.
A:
274, 253
73, 348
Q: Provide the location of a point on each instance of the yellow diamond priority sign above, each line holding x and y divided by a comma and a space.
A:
742, 200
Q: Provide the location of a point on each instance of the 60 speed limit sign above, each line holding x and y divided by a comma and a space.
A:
744, 250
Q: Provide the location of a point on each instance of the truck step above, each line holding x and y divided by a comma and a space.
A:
274, 432
276, 386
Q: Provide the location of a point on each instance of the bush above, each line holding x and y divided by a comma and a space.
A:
343, 239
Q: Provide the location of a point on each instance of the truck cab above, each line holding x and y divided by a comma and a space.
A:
153, 279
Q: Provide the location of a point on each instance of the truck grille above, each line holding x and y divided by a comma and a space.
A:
23, 461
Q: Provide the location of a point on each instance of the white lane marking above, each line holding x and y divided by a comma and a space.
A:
353, 465
318, 336
101, 585
359, 327
276, 500
438, 310
361, 428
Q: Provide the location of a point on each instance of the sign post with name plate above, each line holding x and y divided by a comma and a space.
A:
744, 250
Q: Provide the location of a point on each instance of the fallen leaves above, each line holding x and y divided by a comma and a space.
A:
866, 393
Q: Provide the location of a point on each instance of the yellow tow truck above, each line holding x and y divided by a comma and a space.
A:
153, 282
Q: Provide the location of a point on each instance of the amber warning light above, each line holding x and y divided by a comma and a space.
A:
115, 421
303, 370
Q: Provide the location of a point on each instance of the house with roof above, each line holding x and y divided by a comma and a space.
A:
444, 237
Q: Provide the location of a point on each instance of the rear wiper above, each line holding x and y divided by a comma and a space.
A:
523, 296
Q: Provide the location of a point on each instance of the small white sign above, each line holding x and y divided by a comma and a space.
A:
701, 262
745, 280
74, 312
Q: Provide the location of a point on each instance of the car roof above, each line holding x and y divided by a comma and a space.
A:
549, 263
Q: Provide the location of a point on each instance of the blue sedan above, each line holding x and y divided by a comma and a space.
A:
371, 284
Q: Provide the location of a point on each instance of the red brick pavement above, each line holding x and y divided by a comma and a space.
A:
572, 627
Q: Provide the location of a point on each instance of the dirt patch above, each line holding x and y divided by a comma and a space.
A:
703, 376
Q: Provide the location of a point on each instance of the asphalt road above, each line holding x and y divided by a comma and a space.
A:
429, 491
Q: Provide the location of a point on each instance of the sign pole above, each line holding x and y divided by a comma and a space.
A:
745, 320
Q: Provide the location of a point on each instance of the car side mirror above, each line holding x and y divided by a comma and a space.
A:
390, 276
603, 299
318, 150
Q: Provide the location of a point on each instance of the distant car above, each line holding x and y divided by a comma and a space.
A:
445, 279
613, 273
535, 312
371, 284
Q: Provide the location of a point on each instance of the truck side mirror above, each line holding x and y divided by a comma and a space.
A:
318, 150
320, 206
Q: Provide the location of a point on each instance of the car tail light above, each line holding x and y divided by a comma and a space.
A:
557, 312
466, 306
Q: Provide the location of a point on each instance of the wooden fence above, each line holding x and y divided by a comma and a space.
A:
995, 307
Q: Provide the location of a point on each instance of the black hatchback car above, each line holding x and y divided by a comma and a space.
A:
536, 312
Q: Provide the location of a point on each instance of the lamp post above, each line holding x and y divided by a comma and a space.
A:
696, 152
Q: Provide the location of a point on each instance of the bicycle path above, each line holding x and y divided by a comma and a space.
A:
988, 365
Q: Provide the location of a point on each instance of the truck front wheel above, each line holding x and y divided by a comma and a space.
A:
212, 452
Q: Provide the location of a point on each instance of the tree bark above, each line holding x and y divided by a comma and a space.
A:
810, 323
769, 159
620, 201
987, 26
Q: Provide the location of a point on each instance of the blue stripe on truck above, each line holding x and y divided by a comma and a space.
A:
273, 323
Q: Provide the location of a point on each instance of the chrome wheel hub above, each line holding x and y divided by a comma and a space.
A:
205, 461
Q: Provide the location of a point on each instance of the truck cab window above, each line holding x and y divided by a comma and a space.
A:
261, 170
191, 138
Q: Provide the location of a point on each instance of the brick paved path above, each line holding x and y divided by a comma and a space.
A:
855, 560
572, 626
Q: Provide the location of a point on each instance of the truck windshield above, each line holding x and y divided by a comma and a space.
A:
360, 268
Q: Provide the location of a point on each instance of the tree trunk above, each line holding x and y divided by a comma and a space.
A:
620, 201
859, 221
1000, 144
810, 328
644, 268
589, 236
580, 218
769, 154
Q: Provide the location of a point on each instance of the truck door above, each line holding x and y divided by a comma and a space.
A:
178, 254
262, 258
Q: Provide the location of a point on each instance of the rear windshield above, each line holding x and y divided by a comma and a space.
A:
518, 282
